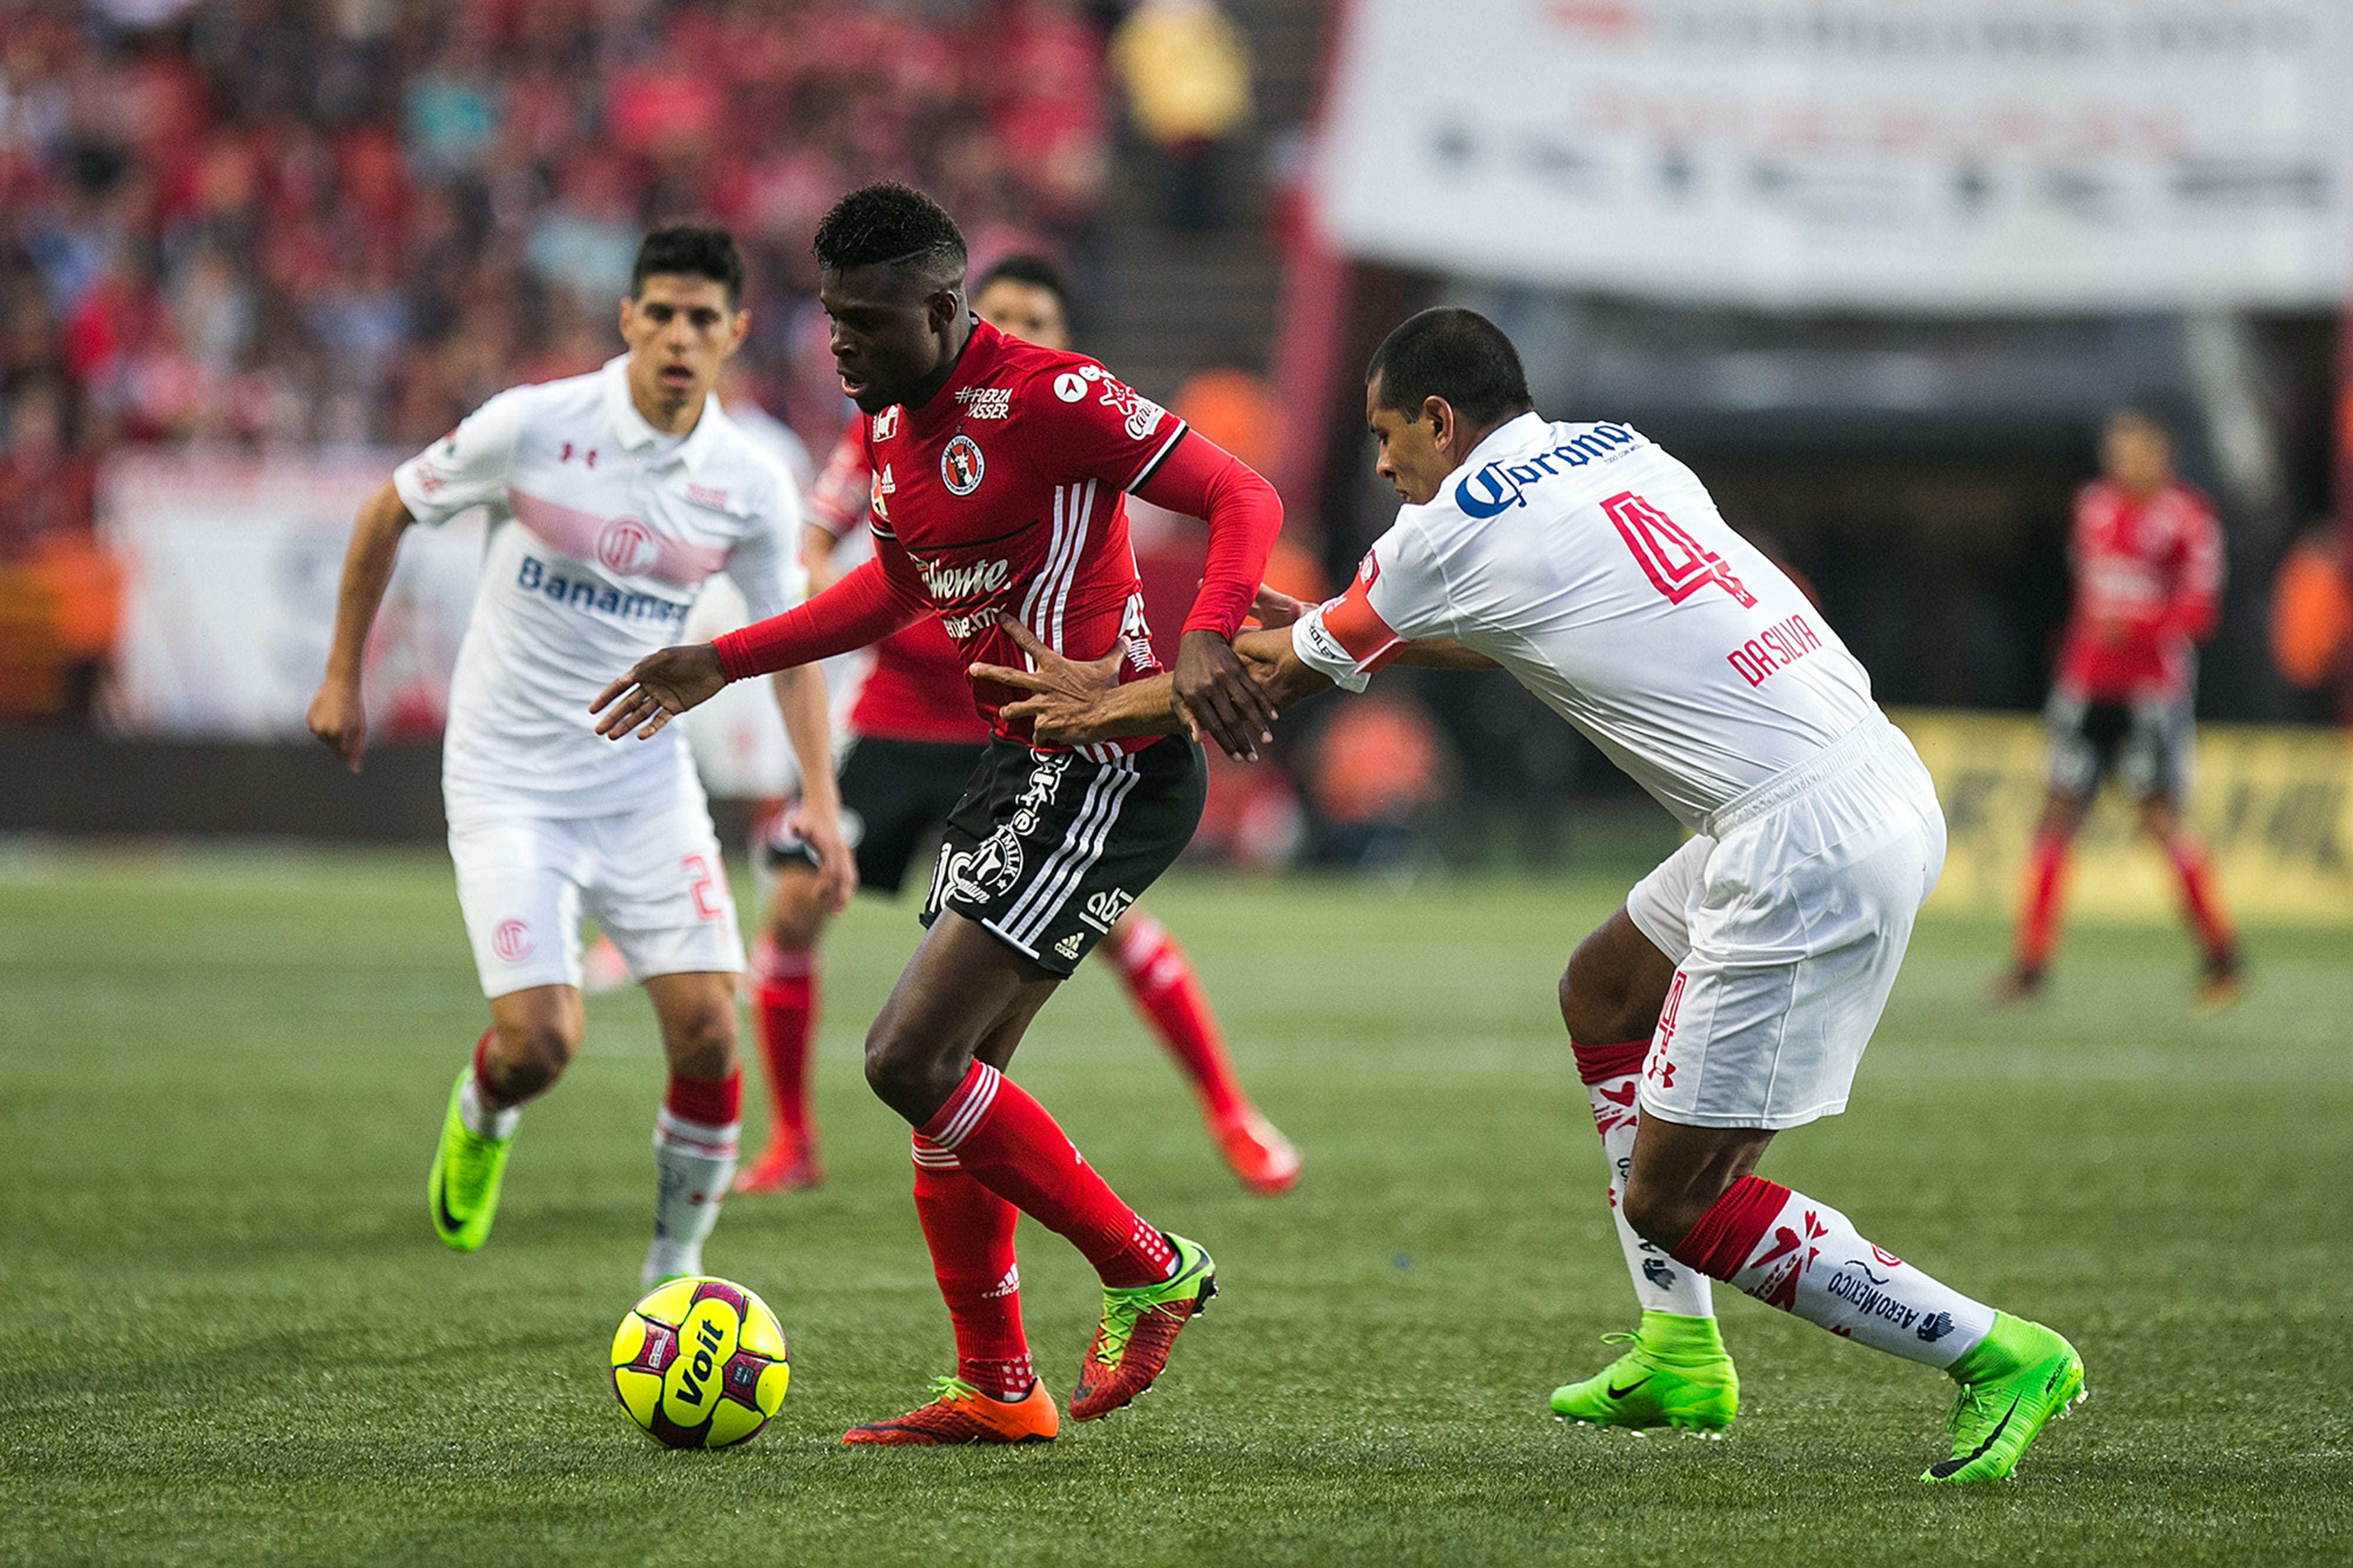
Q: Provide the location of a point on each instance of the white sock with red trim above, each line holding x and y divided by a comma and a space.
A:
1612, 1073
1808, 1260
694, 1160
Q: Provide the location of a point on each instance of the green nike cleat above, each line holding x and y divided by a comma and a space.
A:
462, 1189
1677, 1375
2019, 1376
1139, 1327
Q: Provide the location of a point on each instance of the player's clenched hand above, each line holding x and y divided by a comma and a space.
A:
339, 717
1065, 696
837, 867
1218, 696
657, 686
1275, 609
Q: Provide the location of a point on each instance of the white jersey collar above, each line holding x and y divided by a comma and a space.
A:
630, 426
1512, 432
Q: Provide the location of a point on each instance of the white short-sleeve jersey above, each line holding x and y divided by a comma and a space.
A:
602, 532
1594, 567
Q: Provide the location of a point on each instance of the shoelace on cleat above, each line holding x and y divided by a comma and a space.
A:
952, 1390
1119, 1324
1974, 1399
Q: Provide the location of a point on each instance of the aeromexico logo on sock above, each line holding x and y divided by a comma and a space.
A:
1874, 1302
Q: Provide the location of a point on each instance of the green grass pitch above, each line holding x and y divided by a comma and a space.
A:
226, 1333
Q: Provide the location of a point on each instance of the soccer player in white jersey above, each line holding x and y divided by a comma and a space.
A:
1733, 995
612, 496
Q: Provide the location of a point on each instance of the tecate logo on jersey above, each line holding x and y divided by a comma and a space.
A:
1497, 487
886, 424
948, 582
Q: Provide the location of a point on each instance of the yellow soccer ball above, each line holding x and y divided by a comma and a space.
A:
699, 1364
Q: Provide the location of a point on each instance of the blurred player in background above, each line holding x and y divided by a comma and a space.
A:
914, 742
1000, 475
612, 497
1733, 997
2146, 553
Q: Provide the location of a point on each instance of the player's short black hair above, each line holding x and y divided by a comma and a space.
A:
1025, 268
696, 250
1459, 356
892, 224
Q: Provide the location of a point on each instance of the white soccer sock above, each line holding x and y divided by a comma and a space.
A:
1807, 1258
479, 1119
693, 1162
1661, 1284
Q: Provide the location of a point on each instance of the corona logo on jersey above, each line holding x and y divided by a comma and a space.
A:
961, 465
1497, 487
626, 548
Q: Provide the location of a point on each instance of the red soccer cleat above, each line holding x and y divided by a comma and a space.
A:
1139, 1326
963, 1414
1266, 1160
782, 1167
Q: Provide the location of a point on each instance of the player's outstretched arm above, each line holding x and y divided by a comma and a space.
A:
1074, 704
658, 687
337, 714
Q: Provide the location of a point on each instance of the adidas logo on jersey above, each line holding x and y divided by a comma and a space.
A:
1069, 946
1103, 909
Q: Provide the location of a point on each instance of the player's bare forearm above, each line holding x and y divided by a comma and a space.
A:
817, 818
1274, 664
801, 699
337, 715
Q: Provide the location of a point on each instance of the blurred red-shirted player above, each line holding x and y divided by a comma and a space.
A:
2146, 555
914, 742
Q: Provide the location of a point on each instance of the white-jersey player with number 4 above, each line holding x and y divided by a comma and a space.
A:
612, 498
1733, 995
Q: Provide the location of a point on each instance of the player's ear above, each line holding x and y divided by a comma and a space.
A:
945, 308
1440, 415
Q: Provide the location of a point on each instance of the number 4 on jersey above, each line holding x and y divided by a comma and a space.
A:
1674, 561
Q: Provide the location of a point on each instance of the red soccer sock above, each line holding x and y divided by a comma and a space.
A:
1161, 981
970, 1232
784, 1008
2199, 899
714, 1102
2044, 868
1006, 1141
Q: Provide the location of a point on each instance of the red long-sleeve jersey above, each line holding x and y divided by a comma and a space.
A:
1005, 494
2148, 575
916, 690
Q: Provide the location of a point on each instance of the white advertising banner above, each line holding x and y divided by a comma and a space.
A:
232, 566
1916, 155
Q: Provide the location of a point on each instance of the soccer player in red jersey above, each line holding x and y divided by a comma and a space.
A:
2146, 556
1000, 474
915, 740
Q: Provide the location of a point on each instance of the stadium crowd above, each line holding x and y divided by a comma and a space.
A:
324, 221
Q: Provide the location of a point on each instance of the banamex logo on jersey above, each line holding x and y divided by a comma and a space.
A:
626, 548
962, 466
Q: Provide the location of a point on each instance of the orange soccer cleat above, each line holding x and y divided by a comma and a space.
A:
783, 1167
963, 1414
1266, 1160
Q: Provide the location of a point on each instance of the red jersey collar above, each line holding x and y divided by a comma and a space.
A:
973, 364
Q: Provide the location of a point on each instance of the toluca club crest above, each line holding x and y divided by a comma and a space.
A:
961, 465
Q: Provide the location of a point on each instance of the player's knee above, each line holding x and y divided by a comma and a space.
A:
705, 1047
529, 1054
906, 1074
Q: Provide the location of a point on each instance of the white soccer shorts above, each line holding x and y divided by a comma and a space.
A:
1788, 925
652, 879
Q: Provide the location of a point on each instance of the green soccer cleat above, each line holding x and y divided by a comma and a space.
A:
1139, 1327
462, 1189
2019, 1376
1677, 1375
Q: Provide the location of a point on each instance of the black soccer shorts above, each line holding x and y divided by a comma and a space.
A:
895, 798
2146, 744
1047, 850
